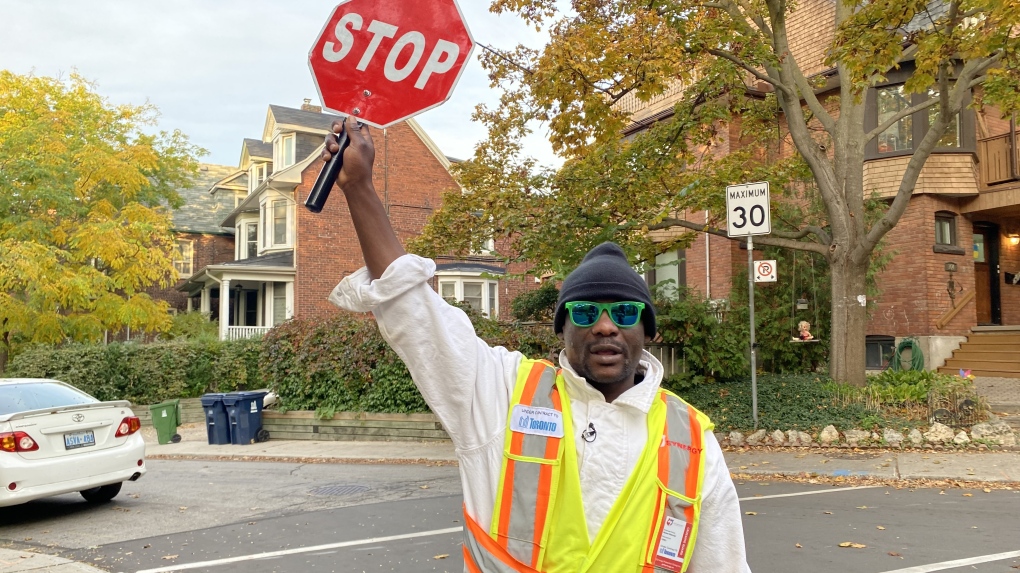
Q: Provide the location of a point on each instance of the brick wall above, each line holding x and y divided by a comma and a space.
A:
914, 284
408, 178
209, 250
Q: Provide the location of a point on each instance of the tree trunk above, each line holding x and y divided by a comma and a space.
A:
849, 320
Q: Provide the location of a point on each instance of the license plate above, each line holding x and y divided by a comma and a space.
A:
79, 440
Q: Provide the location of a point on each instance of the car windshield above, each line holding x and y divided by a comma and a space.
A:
22, 397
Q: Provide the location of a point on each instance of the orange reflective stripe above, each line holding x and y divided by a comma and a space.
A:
504, 507
696, 453
481, 537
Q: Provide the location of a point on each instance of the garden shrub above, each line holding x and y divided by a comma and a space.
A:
145, 373
799, 402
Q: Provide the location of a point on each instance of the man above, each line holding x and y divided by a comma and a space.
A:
588, 467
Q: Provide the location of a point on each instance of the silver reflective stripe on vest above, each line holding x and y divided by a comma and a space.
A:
679, 442
524, 501
482, 558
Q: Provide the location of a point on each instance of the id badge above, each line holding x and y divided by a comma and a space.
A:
669, 554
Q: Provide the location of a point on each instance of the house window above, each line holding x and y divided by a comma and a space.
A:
256, 176
284, 151
184, 258
279, 303
979, 248
878, 351
945, 228
903, 136
251, 234
900, 136
481, 294
276, 226
279, 222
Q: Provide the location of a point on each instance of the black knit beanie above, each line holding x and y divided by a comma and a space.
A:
605, 274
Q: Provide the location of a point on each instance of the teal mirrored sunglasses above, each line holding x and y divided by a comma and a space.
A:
624, 314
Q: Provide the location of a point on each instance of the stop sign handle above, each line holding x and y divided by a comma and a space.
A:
327, 177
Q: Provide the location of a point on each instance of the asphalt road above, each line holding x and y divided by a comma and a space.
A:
249, 517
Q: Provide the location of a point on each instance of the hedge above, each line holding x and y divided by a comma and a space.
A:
340, 363
146, 373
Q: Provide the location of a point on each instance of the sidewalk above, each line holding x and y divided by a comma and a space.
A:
791, 462
12, 561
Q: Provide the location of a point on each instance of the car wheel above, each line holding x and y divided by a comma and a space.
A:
102, 493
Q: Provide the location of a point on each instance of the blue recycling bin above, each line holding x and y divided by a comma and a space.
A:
244, 410
217, 424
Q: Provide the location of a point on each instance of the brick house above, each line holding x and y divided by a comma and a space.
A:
286, 260
956, 250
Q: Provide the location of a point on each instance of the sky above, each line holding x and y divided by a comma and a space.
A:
212, 67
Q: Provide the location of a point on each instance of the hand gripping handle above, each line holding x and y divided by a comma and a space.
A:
327, 177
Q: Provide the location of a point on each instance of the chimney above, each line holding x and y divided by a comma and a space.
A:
307, 106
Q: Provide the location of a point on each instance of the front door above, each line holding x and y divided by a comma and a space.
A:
986, 274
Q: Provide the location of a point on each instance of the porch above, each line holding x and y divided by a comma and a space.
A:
247, 298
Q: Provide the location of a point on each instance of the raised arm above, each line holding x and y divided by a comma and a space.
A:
379, 244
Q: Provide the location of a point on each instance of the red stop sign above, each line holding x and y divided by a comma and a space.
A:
384, 61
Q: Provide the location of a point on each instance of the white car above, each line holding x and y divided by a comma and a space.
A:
56, 439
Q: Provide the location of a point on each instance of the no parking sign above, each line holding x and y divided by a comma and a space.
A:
765, 271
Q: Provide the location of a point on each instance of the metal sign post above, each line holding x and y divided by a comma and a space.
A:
748, 213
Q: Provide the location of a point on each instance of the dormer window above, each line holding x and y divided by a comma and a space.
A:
283, 151
256, 175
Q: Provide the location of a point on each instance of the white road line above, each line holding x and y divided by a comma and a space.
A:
958, 563
297, 550
813, 492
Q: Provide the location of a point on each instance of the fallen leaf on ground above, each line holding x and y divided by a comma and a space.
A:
852, 544
894, 554
799, 546
880, 527
168, 557
862, 507
827, 512
423, 486
750, 513
968, 495
986, 490
442, 556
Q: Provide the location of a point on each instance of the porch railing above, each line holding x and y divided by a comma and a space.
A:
998, 159
242, 332
671, 356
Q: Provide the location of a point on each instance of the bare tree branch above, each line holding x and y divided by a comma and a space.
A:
771, 240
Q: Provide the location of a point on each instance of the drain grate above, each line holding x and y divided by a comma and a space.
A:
340, 489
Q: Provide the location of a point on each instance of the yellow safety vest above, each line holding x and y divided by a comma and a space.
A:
538, 523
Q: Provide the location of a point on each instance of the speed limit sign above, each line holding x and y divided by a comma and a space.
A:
747, 209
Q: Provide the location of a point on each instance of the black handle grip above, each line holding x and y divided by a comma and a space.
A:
327, 177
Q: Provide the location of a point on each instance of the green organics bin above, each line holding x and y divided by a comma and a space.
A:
166, 416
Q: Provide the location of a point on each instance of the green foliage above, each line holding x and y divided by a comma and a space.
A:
803, 402
192, 326
906, 392
83, 231
538, 305
342, 363
713, 344
146, 373
799, 276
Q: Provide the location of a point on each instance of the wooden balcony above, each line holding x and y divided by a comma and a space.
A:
998, 160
